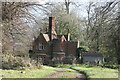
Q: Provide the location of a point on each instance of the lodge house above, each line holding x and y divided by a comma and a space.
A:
50, 46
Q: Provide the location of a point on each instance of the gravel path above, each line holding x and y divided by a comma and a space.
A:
66, 73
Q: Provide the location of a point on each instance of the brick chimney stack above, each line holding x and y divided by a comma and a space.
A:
51, 31
51, 26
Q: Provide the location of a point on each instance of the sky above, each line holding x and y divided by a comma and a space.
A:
43, 1
83, 1
81, 11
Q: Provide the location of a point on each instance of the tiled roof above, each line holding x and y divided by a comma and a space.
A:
46, 37
59, 37
66, 36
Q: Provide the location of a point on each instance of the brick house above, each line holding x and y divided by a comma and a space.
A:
50, 45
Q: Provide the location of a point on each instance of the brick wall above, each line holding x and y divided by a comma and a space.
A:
71, 48
36, 43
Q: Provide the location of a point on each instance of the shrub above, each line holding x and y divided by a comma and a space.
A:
112, 66
14, 62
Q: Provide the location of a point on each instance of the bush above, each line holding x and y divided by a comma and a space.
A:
14, 62
112, 66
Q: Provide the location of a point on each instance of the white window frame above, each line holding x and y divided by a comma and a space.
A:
41, 46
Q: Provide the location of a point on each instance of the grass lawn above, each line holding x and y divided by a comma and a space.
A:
91, 71
94, 71
28, 73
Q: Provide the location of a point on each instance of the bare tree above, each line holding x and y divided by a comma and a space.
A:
100, 30
17, 21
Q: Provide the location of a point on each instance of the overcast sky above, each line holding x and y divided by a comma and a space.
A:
80, 12
56, 1
82, 8
43, 1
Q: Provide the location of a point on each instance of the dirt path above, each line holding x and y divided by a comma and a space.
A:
66, 73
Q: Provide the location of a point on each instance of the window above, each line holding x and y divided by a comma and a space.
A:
36, 47
41, 46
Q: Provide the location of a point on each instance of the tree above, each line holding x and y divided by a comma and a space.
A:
100, 30
65, 23
16, 27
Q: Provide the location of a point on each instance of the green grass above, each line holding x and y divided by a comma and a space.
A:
98, 72
63, 66
94, 71
91, 71
29, 73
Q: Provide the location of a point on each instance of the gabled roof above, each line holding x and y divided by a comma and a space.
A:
66, 37
46, 37
61, 37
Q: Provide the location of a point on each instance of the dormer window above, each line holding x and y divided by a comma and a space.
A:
41, 46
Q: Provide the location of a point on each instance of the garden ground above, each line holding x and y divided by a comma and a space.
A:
94, 71
62, 71
44, 72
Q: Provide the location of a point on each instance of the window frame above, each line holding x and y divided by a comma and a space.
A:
41, 46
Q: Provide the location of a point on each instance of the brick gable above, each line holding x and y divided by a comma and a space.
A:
54, 45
